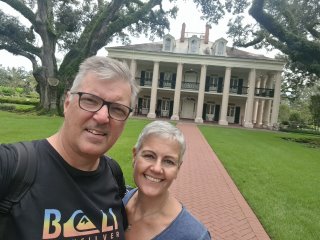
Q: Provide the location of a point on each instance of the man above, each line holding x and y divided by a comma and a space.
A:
74, 195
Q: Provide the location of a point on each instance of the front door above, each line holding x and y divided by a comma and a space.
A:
231, 113
188, 108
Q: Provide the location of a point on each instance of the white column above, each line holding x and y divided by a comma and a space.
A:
276, 99
154, 88
133, 67
225, 97
268, 104
177, 91
249, 105
266, 116
201, 94
256, 102
262, 102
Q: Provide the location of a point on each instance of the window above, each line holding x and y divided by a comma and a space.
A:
191, 76
234, 81
193, 46
167, 44
220, 48
165, 105
210, 108
166, 81
145, 102
231, 111
213, 83
148, 75
167, 76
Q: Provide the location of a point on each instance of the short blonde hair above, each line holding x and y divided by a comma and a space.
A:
165, 130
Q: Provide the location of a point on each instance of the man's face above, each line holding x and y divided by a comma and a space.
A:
92, 134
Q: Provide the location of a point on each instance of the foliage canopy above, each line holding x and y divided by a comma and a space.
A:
291, 26
79, 28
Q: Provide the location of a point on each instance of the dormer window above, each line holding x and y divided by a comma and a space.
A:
194, 42
219, 47
168, 43
193, 46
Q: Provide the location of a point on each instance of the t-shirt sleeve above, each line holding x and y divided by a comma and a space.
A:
8, 161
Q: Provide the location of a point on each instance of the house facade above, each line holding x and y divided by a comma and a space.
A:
193, 78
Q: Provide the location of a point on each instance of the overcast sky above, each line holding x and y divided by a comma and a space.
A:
187, 14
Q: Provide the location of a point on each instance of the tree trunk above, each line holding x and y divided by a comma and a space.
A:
48, 93
47, 79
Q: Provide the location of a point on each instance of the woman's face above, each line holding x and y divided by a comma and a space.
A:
156, 165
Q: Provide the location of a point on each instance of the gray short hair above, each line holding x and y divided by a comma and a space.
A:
165, 130
106, 69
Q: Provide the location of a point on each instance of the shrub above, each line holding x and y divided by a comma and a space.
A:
19, 100
7, 107
7, 91
19, 90
16, 107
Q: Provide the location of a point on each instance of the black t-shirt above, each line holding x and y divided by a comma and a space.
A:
63, 202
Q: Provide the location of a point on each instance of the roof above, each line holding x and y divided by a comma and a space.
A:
157, 47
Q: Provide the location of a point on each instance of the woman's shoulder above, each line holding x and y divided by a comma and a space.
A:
128, 196
191, 222
185, 227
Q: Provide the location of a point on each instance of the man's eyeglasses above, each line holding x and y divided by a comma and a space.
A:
93, 103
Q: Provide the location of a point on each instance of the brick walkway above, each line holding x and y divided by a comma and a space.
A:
206, 189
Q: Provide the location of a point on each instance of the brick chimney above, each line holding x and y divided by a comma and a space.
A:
183, 30
206, 36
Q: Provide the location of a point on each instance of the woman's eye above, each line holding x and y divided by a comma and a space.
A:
170, 162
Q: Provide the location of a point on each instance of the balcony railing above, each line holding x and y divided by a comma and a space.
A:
264, 92
239, 90
190, 85
167, 84
144, 82
260, 92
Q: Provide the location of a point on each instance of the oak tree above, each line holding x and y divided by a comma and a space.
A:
78, 28
291, 26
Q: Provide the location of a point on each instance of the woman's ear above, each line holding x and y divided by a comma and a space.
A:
134, 154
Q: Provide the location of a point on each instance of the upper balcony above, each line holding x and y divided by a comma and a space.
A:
214, 88
264, 92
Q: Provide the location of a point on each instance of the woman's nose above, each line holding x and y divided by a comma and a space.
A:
157, 167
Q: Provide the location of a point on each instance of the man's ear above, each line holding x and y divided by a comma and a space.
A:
67, 101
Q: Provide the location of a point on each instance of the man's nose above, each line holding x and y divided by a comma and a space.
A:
102, 115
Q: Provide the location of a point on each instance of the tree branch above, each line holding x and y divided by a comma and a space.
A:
300, 48
107, 29
22, 9
20, 52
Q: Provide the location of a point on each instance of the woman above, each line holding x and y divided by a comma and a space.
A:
153, 213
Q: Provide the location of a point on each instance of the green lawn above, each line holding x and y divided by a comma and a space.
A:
280, 179
19, 127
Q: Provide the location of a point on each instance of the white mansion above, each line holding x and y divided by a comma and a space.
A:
193, 78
